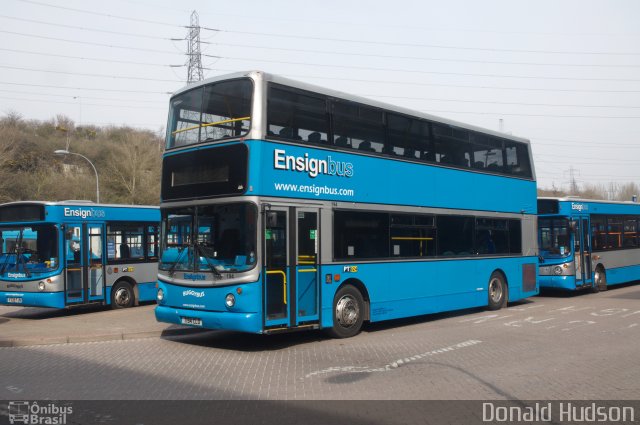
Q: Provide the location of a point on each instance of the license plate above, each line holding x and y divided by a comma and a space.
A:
14, 300
192, 321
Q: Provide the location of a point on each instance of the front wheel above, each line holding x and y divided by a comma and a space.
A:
348, 312
599, 280
122, 295
497, 291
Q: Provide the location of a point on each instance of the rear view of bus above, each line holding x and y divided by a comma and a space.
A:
588, 244
287, 206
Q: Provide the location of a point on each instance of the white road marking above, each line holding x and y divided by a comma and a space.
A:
529, 320
583, 323
15, 390
394, 364
631, 314
483, 319
525, 308
570, 309
609, 312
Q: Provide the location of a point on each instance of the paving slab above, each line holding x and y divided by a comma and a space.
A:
24, 326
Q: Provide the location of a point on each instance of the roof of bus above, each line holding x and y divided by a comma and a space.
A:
77, 203
257, 75
586, 200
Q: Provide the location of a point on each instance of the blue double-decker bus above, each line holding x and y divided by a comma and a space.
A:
62, 254
288, 206
588, 244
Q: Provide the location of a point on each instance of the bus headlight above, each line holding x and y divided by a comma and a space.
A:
41, 286
160, 295
230, 300
557, 270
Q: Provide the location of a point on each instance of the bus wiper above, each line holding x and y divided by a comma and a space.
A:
207, 258
181, 251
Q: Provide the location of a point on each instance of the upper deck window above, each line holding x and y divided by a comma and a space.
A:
212, 112
303, 117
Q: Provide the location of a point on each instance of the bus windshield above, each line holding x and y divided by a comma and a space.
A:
555, 237
215, 238
212, 112
28, 250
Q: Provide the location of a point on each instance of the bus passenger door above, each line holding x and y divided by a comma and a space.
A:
276, 267
586, 251
582, 251
74, 273
305, 282
95, 260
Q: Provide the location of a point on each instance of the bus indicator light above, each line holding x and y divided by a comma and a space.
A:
336, 277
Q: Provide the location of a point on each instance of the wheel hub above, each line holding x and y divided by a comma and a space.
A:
122, 296
347, 311
495, 290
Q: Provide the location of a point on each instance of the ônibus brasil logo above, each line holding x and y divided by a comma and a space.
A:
28, 413
311, 166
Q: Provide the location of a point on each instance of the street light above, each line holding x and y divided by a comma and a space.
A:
64, 152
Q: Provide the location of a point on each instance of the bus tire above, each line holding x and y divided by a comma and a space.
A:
122, 295
498, 291
599, 280
348, 312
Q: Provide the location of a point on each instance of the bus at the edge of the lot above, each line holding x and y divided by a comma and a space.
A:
588, 244
288, 206
63, 254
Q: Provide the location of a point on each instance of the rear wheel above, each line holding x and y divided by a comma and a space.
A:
122, 295
497, 291
348, 312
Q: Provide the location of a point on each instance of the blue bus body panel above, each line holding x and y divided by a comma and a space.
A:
368, 184
558, 282
618, 275
571, 208
34, 299
208, 304
396, 290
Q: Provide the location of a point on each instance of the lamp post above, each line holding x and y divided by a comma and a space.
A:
64, 152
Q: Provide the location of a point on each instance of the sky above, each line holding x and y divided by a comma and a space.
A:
563, 74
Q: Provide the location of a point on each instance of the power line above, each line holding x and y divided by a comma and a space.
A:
436, 46
83, 104
373, 55
40, 94
139, 49
464, 74
500, 103
119, 77
467, 86
91, 59
129, 34
126, 18
86, 88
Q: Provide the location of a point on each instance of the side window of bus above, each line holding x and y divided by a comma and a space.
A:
487, 153
615, 228
360, 234
492, 236
451, 145
630, 233
455, 235
125, 242
358, 127
598, 232
152, 242
518, 162
407, 137
297, 115
412, 235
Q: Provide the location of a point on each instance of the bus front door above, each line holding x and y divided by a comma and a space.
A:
291, 277
582, 252
75, 251
276, 267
